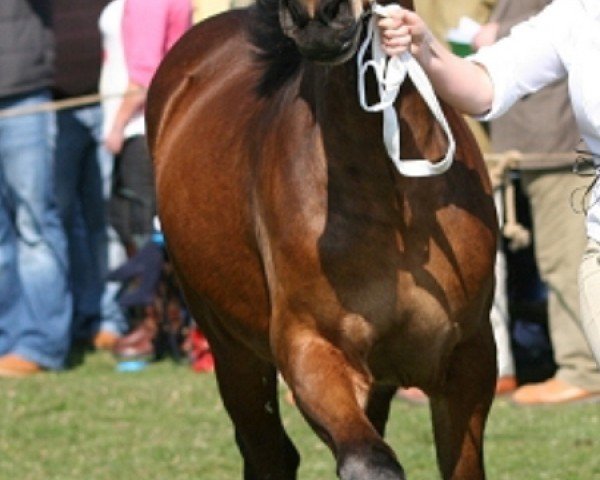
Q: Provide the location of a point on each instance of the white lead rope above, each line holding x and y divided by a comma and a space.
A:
390, 73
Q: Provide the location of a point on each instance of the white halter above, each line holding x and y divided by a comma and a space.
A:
390, 73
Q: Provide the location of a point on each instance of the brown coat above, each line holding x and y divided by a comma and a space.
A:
78, 47
542, 122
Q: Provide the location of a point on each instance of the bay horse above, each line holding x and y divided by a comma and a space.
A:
301, 250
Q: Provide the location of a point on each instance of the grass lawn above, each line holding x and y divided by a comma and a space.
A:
166, 422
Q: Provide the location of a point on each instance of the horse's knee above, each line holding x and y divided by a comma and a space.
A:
371, 462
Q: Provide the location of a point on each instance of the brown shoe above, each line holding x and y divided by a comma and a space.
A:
139, 343
13, 366
552, 392
506, 384
105, 340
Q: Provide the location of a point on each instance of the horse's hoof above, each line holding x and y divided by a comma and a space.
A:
370, 464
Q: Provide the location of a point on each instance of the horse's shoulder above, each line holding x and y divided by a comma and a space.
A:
225, 34
209, 53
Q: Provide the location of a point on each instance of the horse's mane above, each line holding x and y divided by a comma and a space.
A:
277, 52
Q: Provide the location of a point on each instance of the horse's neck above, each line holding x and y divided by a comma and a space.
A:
351, 138
333, 94
332, 87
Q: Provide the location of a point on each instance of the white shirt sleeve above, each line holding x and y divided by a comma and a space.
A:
524, 61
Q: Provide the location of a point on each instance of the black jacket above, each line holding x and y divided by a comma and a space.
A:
78, 46
26, 46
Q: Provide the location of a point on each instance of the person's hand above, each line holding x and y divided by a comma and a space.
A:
402, 31
114, 140
487, 35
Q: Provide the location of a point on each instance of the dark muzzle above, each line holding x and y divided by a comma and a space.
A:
329, 35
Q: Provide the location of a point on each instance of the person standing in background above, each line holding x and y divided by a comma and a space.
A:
35, 301
544, 123
136, 36
84, 173
149, 28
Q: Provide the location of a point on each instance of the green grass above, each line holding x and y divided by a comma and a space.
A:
166, 422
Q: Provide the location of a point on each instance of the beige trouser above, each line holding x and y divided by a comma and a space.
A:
589, 288
559, 243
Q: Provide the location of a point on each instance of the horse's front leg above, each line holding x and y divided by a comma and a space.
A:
248, 387
331, 388
378, 407
459, 414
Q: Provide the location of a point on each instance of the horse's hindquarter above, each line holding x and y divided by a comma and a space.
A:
200, 106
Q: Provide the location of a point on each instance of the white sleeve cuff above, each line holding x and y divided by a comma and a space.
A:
502, 77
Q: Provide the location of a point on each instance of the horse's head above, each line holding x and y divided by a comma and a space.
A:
325, 31
321, 31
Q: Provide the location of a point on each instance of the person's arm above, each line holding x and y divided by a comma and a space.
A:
145, 26
149, 30
491, 81
132, 103
143, 37
463, 84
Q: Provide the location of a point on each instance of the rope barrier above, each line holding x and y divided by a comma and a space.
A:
57, 105
499, 165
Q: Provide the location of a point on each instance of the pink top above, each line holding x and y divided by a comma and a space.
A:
150, 28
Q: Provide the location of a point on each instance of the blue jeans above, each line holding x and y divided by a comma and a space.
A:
35, 301
83, 182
